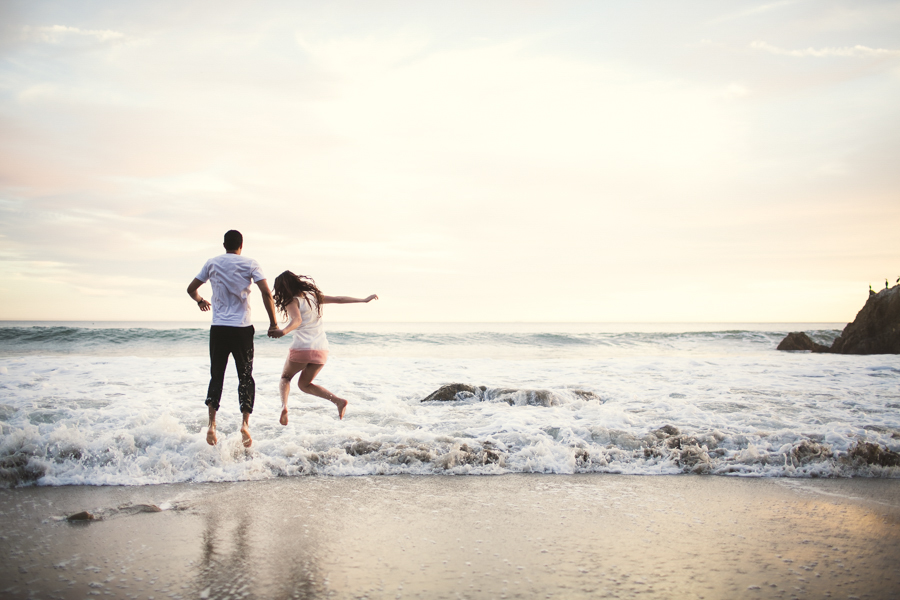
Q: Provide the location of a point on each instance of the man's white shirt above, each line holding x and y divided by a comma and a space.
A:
231, 276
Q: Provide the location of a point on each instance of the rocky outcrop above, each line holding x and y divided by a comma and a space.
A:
875, 330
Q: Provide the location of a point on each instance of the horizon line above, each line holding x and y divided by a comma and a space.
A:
415, 322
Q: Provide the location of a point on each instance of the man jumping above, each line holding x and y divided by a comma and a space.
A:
231, 332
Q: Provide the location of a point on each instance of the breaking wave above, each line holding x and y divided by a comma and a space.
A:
165, 451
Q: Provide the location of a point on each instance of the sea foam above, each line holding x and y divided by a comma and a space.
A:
721, 402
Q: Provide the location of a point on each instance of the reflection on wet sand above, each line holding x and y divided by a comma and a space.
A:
246, 553
523, 536
224, 569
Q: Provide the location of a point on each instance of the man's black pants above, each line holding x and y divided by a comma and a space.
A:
237, 341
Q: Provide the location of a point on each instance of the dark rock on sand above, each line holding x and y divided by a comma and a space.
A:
108, 513
82, 516
875, 330
797, 340
132, 509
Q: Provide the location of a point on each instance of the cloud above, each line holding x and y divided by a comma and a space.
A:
846, 51
428, 159
54, 34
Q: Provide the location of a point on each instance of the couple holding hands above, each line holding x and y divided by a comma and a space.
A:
295, 296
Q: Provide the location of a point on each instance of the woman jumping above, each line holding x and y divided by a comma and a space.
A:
298, 299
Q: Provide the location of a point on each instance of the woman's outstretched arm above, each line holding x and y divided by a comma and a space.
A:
346, 299
293, 311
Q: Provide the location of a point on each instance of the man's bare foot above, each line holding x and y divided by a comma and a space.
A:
211, 438
245, 433
283, 420
341, 406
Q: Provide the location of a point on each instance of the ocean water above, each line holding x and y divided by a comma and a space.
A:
122, 403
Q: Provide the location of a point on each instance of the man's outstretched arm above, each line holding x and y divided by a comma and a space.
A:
268, 302
192, 292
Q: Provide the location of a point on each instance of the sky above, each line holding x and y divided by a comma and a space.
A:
467, 161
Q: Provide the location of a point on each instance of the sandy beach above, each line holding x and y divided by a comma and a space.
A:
512, 536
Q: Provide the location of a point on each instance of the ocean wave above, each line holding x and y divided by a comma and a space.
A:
145, 341
563, 340
134, 420
25, 341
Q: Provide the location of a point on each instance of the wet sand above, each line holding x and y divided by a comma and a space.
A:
512, 536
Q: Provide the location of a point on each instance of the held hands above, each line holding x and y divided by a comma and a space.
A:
275, 332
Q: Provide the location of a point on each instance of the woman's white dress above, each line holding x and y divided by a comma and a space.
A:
310, 344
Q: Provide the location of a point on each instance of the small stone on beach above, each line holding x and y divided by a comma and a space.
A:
81, 516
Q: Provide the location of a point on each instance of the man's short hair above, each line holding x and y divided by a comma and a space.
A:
233, 240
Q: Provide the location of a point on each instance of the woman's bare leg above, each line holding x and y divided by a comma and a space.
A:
284, 386
306, 385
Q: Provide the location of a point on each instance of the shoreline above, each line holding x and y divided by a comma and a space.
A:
514, 536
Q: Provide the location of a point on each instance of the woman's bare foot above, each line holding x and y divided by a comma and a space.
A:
211, 438
283, 420
245, 433
341, 406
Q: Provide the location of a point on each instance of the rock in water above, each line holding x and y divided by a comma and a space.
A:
876, 328
16, 469
797, 340
447, 393
526, 397
512, 396
874, 454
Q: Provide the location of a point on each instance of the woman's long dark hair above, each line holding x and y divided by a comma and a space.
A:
289, 286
